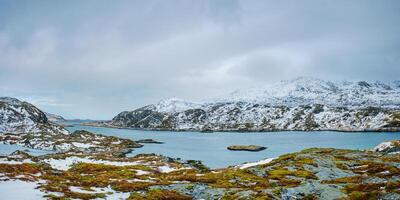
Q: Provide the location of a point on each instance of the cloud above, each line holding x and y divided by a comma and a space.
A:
93, 59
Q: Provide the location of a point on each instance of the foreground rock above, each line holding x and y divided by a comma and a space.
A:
79, 141
392, 146
302, 104
21, 117
309, 174
246, 148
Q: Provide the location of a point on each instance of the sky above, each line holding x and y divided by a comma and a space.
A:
96, 58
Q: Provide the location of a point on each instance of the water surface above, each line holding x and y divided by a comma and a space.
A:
211, 147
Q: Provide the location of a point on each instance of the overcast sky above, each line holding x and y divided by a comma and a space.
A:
94, 59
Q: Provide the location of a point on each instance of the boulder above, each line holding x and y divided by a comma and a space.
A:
391, 146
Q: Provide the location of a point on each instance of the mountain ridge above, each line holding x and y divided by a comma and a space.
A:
300, 104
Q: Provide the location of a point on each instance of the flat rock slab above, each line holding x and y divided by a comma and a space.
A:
246, 148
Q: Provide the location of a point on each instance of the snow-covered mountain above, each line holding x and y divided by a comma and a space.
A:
54, 117
307, 90
300, 104
21, 117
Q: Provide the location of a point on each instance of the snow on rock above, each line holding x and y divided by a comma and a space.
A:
308, 90
110, 194
83, 145
174, 105
392, 146
54, 118
167, 169
252, 164
65, 164
14, 162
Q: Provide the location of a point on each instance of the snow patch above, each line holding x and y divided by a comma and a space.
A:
252, 164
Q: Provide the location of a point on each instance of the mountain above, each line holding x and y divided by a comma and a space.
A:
300, 104
307, 90
21, 117
54, 117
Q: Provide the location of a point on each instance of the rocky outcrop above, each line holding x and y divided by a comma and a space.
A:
246, 148
22, 117
392, 146
301, 104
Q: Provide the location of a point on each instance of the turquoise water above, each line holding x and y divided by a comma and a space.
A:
6, 149
211, 147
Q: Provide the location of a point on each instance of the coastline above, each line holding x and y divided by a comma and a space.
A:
391, 129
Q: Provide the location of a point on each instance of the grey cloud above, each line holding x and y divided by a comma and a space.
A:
93, 59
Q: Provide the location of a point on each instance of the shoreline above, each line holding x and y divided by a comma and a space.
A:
392, 129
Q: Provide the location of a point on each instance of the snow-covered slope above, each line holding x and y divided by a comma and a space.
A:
54, 117
21, 117
299, 104
307, 90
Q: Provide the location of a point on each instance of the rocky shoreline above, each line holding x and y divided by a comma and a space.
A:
318, 173
78, 141
108, 125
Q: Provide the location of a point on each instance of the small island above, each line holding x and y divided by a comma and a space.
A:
246, 148
149, 141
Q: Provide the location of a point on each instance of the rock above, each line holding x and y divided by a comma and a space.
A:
391, 146
121, 153
149, 141
246, 148
20, 154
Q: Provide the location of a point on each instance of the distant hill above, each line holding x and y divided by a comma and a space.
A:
22, 117
54, 117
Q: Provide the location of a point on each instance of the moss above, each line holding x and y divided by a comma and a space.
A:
364, 188
20, 169
125, 186
356, 195
159, 194
345, 180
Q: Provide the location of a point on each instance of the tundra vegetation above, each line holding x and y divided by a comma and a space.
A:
317, 173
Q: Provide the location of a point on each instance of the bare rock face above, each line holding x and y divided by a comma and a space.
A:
392, 146
22, 117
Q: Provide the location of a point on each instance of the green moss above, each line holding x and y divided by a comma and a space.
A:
158, 194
